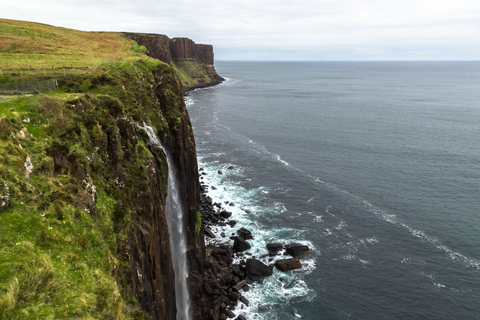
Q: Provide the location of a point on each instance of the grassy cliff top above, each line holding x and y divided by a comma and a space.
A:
25, 45
68, 178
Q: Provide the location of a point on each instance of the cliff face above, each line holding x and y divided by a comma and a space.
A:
194, 62
96, 191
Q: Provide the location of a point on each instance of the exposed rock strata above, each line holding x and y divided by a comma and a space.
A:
180, 52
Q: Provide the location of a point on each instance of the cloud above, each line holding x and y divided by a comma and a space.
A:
267, 29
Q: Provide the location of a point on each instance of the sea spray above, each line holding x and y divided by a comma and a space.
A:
176, 227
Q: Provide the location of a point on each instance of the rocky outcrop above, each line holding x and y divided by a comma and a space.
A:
288, 264
4, 196
195, 61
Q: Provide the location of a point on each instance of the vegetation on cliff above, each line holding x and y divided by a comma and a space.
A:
82, 226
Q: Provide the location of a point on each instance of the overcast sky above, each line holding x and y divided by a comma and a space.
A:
282, 30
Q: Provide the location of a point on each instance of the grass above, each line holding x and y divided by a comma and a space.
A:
29, 49
57, 260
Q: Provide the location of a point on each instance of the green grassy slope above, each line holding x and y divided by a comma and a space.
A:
58, 260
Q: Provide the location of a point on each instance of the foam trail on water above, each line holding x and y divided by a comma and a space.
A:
176, 227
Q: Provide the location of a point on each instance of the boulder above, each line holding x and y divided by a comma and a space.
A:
230, 314
244, 301
297, 250
240, 285
226, 214
240, 317
257, 270
209, 233
245, 234
274, 248
240, 245
231, 168
288, 264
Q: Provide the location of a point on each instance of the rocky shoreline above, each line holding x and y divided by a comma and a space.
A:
230, 269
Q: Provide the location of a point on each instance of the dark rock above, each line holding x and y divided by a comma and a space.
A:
230, 314
244, 234
231, 168
274, 248
244, 300
240, 285
240, 317
297, 250
220, 172
246, 288
208, 289
240, 245
232, 204
222, 234
235, 295
213, 188
232, 223
288, 264
257, 270
247, 211
209, 233
226, 214
223, 316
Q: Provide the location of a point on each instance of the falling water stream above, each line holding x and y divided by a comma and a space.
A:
176, 227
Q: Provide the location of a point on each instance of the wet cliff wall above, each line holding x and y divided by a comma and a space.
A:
194, 62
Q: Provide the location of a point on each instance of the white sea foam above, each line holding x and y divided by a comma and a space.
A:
272, 291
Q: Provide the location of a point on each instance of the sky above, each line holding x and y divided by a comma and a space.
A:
323, 30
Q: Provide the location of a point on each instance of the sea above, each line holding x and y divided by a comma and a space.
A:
374, 165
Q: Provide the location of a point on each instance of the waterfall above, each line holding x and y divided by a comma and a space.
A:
176, 227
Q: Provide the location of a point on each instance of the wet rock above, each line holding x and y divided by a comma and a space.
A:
240, 285
257, 270
230, 314
209, 233
239, 244
244, 301
245, 234
4, 196
297, 250
246, 288
274, 249
226, 214
288, 264
232, 223
240, 317
232, 204
219, 172
231, 168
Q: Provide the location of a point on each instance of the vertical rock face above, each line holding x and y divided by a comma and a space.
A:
158, 45
180, 143
184, 48
195, 60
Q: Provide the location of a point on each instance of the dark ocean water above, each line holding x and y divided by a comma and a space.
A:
374, 165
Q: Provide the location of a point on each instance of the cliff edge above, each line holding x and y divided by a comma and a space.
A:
194, 62
82, 190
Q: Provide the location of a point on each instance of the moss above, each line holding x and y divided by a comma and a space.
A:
198, 223
57, 259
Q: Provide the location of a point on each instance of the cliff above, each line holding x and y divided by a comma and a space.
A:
83, 191
194, 62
